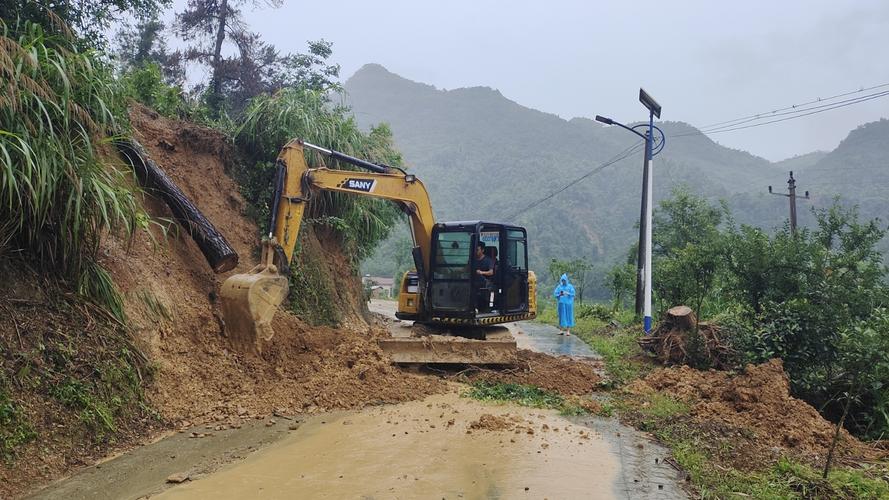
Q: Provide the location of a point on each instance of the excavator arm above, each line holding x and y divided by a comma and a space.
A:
249, 300
300, 182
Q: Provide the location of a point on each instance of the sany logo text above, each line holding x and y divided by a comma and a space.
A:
365, 185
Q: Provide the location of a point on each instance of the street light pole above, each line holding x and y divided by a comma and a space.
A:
648, 174
643, 257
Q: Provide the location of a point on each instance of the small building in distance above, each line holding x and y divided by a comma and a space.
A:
380, 288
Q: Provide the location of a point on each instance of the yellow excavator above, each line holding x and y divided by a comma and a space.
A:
444, 292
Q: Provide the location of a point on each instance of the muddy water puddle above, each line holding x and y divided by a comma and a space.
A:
442, 447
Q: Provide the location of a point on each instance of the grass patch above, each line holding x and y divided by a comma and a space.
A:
523, 395
15, 430
530, 396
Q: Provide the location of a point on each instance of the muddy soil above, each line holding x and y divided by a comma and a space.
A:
755, 407
171, 301
170, 298
445, 446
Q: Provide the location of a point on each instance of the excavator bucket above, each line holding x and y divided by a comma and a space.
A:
249, 302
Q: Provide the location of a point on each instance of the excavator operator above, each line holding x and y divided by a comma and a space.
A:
484, 271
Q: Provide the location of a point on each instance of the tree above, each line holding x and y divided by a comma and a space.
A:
621, 280
687, 247
862, 364
683, 218
256, 67
143, 44
89, 20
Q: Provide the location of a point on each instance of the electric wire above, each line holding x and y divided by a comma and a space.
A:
798, 114
769, 114
801, 111
626, 153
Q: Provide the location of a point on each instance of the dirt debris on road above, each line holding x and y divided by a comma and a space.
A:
754, 406
563, 375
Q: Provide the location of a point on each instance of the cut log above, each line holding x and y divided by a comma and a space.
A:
682, 317
216, 249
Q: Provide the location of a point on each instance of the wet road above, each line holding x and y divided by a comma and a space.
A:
425, 449
546, 339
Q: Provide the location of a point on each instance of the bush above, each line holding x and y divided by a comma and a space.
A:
784, 295
146, 85
59, 193
597, 311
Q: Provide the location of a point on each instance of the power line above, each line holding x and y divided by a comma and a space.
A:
614, 159
800, 111
796, 115
767, 114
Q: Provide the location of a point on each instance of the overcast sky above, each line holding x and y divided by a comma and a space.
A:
704, 61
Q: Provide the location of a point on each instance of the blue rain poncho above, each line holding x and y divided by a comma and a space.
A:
564, 294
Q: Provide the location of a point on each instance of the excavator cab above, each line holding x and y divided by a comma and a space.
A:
454, 294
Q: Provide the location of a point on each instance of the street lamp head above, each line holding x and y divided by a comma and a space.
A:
606, 121
649, 103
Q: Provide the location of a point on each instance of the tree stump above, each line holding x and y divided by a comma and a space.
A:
682, 317
680, 339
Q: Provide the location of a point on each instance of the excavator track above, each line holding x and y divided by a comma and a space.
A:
433, 344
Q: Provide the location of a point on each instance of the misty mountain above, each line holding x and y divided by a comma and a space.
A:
483, 156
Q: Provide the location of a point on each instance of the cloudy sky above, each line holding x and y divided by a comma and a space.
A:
704, 61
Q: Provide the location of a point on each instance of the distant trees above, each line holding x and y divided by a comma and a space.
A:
144, 44
578, 271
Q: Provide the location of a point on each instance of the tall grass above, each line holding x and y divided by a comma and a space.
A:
59, 192
271, 121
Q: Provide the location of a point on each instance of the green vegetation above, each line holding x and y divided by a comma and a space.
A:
808, 298
59, 191
15, 429
75, 357
524, 395
715, 467
145, 84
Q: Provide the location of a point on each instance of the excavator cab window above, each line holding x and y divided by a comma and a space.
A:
515, 271
450, 287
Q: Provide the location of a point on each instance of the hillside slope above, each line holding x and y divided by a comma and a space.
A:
170, 299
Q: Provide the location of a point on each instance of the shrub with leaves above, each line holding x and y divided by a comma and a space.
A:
362, 223
272, 121
146, 84
58, 190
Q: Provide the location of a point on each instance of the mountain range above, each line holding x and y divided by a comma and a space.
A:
483, 156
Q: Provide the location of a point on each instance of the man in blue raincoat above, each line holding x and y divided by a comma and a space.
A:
564, 294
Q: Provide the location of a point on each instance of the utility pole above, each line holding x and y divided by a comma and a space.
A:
791, 188
643, 257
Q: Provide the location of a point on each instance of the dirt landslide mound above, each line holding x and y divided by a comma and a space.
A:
566, 376
758, 403
171, 300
